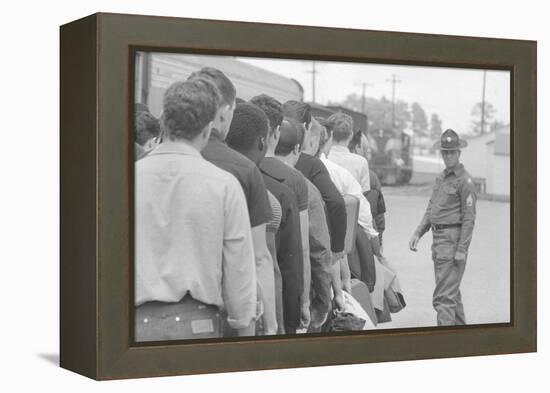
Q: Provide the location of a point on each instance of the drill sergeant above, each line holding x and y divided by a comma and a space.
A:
450, 215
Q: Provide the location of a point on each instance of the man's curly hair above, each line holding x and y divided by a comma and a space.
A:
220, 80
341, 125
146, 127
272, 108
188, 107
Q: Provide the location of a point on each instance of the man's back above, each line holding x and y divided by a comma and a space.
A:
248, 175
191, 225
356, 164
316, 172
289, 250
289, 176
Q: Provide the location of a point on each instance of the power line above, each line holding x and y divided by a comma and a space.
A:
313, 72
394, 80
363, 97
483, 103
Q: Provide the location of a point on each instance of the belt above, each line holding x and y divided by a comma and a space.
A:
187, 319
436, 227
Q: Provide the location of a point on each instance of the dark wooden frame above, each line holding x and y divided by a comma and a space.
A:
96, 195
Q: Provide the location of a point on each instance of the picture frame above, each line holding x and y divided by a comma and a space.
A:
96, 199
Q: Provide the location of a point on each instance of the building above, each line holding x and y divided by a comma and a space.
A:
156, 71
487, 158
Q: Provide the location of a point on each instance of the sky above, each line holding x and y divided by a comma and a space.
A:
449, 92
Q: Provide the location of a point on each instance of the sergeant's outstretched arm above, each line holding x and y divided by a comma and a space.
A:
468, 201
425, 223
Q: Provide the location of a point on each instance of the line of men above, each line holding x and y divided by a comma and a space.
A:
240, 219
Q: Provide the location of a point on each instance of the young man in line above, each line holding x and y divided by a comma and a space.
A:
314, 170
340, 153
250, 178
279, 163
194, 254
288, 238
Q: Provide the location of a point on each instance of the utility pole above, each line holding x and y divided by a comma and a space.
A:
313, 73
363, 97
394, 80
483, 103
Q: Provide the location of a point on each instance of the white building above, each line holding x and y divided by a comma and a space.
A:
487, 158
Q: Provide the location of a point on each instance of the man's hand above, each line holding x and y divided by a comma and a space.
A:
339, 300
346, 284
414, 242
460, 256
305, 318
336, 256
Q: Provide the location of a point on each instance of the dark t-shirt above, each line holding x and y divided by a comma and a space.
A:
247, 173
289, 176
316, 172
289, 251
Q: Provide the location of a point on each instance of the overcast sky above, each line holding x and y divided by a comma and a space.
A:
449, 92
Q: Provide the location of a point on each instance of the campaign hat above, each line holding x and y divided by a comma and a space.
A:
450, 141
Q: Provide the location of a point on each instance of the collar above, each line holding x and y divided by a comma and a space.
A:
172, 147
216, 135
269, 170
457, 170
339, 148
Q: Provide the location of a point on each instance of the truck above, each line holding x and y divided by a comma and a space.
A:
389, 154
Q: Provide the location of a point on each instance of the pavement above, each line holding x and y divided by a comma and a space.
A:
486, 284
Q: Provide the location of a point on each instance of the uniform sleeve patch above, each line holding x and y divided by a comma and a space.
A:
469, 200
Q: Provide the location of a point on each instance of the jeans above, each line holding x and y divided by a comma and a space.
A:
187, 319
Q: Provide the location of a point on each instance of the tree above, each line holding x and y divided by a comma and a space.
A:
379, 111
489, 113
435, 127
496, 125
419, 119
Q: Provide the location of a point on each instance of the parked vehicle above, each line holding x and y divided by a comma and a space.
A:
390, 156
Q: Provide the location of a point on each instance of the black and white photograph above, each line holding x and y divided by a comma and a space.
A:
284, 196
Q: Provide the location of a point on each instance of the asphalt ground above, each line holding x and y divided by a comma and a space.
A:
486, 284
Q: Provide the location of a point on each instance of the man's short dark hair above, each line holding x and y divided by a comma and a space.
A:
316, 128
188, 107
323, 137
146, 126
249, 123
291, 135
341, 125
297, 110
220, 80
272, 108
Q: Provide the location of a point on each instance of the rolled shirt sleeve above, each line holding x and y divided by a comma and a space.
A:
365, 176
238, 265
365, 215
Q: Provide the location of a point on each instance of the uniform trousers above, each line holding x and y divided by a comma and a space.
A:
447, 299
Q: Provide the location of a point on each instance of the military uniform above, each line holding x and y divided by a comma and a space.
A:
450, 215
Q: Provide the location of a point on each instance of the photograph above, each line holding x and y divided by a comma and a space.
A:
291, 197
